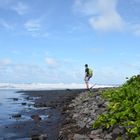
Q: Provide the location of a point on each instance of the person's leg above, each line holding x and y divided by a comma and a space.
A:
87, 86
86, 81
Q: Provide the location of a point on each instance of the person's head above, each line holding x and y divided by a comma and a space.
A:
86, 65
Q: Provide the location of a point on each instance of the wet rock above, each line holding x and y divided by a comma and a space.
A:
85, 100
108, 137
117, 131
68, 121
98, 139
98, 98
17, 127
36, 117
86, 111
75, 116
81, 124
15, 99
100, 111
80, 137
68, 89
40, 105
93, 137
100, 104
16, 116
24, 103
97, 131
29, 98
39, 137
90, 124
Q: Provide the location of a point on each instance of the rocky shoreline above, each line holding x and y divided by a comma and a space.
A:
60, 115
39, 115
81, 114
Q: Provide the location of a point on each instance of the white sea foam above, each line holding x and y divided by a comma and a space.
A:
42, 86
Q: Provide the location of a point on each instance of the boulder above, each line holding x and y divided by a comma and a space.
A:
80, 137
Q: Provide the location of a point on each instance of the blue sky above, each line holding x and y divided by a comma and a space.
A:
49, 41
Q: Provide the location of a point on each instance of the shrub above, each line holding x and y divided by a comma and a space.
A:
123, 108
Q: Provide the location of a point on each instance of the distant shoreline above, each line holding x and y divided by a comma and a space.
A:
59, 86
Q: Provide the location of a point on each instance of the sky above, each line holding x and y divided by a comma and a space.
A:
50, 41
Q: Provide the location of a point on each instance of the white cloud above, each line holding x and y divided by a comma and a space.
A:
107, 22
134, 66
5, 25
17, 6
109, 75
102, 14
35, 28
116, 74
56, 71
5, 61
28, 73
51, 62
20, 8
32, 25
136, 29
95, 50
88, 7
73, 28
45, 35
10, 72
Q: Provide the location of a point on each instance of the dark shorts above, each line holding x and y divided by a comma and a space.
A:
87, 78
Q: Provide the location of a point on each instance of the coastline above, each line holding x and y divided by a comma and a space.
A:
44, 117
82, 113
60, 115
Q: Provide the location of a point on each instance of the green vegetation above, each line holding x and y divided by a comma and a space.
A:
123, 108
90, 93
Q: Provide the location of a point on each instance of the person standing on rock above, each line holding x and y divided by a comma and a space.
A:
88, 75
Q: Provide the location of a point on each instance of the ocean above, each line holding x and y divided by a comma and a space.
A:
16, 117
9, 104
